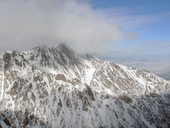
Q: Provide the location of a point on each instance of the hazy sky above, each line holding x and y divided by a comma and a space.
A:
131, 31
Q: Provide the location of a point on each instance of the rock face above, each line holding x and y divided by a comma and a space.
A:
59, 88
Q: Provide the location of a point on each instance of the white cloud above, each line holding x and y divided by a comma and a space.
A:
25, 24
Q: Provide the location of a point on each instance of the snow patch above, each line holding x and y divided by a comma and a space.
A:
132, 73
89, 75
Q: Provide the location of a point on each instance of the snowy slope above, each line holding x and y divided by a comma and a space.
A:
59, 88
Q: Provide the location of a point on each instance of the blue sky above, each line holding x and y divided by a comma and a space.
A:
151, 38
146, 23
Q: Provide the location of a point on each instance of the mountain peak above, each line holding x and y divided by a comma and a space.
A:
67, 50
64, 46
62, 54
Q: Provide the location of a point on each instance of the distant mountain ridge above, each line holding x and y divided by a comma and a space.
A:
60, 88
165, 75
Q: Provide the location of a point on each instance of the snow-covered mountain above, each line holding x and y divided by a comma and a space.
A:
59, 88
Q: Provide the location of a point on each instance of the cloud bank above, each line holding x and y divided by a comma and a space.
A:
28, 23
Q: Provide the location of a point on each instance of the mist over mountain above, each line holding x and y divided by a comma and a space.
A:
60, 88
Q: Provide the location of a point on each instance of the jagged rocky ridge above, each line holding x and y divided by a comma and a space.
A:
59, 88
